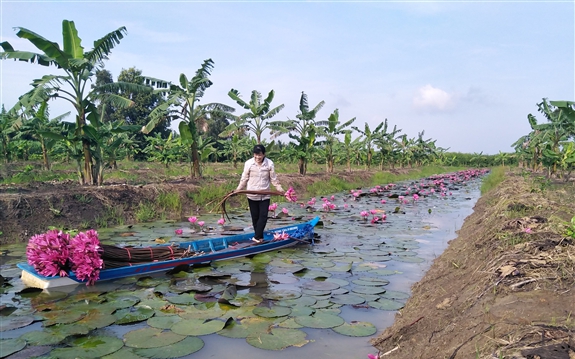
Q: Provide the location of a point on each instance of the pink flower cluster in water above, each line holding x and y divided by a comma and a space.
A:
290, 195
85, 256
48, 253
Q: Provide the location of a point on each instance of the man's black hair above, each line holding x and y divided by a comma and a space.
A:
259, 149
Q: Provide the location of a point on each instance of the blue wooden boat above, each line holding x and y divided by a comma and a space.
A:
201, 251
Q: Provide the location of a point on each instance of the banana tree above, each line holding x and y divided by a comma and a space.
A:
181, 104
162, 150
369, 138
302, 130
235, 147
329, 130
79, 69
7, 132
37, 124
254, 120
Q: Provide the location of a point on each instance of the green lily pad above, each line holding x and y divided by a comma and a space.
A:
182, 348
15, 322
262, 258
299, 301
384, 272
339, 291
11, 346
362, 282
312, 274
89, 347
124, 353
385, 304
392, 294
347, 299
248, 299
361, 289
234, 329
320, 321
322, 304
341, 282
197, 327
290, 323
314, 292
67, 330
278, 339
325, 285
125, 301
356, 329
318, 263
165, 322
409, 259
300, 310
151, 338
43, 337
133, 315
62, 317
184, 299
273, 312
282, 294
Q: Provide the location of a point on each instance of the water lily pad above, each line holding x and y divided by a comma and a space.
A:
323, 286
361, 289
392, 294
197, 327
15, 322
345, 267
124, 301
278, 339
339, 291
10, 346
347, 299
299, 301
133, 315
312, 274
262, 258
89, 347
149, 282
386, 304
409, 259
182, 348
66, 330
322, 304
290, 323
318, 263
124, 353
384, 272
341, 282
151, 338
62, 317
234, 329
273, 312
314, 292
45, 337
184, 299
356, 329
320, 320
165, 322
29, 352
282, 294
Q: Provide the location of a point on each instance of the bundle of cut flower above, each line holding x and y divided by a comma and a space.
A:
85, 256
222, 203
48, 253
115, 257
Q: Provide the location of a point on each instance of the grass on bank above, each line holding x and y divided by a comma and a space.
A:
493, 179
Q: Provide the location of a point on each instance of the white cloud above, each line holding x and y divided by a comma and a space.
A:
429, 98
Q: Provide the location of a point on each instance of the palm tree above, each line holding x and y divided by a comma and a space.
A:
330, 129
79, 68
181, 104
254, 120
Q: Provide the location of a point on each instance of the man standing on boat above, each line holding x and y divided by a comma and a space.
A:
258, 173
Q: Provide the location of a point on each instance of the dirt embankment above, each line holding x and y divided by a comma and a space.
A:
29, 209
504, 288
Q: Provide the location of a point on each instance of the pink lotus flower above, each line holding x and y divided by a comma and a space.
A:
285, 211
374, 220
201, 223
332, 198
193, 220
383, 201
373, 211
528, 230
364, 214
280, 236
373, 356
273, 207
85, 256
179, 231
221, 221
48, 253
415, 196
345, 206
290, 195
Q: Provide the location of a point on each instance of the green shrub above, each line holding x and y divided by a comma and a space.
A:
494, 178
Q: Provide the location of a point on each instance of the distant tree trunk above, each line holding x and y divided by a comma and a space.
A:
45, 156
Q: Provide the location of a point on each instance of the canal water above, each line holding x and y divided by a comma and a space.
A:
358, 271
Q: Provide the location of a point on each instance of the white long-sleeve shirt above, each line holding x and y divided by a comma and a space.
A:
258, 178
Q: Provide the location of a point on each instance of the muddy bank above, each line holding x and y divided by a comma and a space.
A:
504, 288
31, 208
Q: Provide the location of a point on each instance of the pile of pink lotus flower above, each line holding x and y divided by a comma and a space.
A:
290, 195
54, 253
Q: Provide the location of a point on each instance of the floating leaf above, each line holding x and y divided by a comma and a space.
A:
409, 259
290, 323
151, 338
314, 292
89, 347
326, 286
10, 346
62, 317
356, 329
28, 352
339, 281
391, 294
320, 321
273, 312
165, 322
384, 272
282, 294
385, 304
124, 353
43, 337
139, 314
278, 339
248, 299
15, 322
234, 330
197, 327
368, 290
184, 298
182, 348
299, 301
300, 310
349, 299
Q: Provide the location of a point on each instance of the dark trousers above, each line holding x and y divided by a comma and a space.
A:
259, 212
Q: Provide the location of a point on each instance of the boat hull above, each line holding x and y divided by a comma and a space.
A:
222, 248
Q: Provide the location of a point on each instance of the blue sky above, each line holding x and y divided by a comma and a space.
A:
467, 73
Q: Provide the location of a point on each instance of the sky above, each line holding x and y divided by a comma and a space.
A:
467, 73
